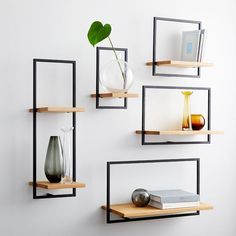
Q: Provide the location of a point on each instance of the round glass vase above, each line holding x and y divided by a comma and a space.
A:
67, 155
53, 161
116, 76
198, 121
186, 122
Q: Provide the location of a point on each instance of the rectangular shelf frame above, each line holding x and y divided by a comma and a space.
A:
99, 95
154, 45
48, 185
109, 207
182, 64
144, 132
129, 210
47, 109
58, 109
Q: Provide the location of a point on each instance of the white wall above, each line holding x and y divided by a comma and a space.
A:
57, 29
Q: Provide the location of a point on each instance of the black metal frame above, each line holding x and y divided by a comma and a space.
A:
143, 135
154, 59
98, 49
73, 63
108, 196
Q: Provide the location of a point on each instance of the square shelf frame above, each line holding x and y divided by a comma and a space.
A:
143, 131
108, 189
34, 110
154, 54
98, 97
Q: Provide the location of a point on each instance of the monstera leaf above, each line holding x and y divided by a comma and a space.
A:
98, 32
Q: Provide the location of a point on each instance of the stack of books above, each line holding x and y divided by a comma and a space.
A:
174, 198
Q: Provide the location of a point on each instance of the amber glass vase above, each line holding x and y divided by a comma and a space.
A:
186, 123
198, 121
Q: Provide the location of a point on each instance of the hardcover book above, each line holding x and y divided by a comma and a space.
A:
172, 205
173, 196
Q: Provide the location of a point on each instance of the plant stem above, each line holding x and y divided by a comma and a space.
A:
117, 59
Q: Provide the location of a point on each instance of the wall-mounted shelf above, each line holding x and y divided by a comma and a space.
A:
181, 139
158, 64
183, 64
72, 109
99, 94
48, 185
129, 210
58, 109
179, 132
115, 95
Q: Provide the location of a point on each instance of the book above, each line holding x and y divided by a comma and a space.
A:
190, 45
201, 44
173, 196
172, 205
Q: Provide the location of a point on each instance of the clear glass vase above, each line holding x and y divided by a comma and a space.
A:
116, 76
67, 155
187, 123
53, 162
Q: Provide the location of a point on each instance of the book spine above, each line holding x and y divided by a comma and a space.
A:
155, 204
203, 45
200, 52
200, 47
155, 198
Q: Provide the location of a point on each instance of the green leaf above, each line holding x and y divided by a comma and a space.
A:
98, 32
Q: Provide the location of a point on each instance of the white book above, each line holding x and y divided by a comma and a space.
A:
172, 205
173, 196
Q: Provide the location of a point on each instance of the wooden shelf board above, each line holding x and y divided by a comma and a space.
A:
184, 64
48, 185
129, 210
179, 132
115, 95
58, 109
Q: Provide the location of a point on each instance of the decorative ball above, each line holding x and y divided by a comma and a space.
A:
116, 76
140, 197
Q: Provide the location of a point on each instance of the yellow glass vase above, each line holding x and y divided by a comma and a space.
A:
187, 123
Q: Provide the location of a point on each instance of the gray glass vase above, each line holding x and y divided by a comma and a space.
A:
53, 163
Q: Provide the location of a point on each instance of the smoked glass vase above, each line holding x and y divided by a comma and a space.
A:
186, 123
67, 155
53, 162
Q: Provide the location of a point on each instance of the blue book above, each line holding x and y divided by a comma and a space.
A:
173, 196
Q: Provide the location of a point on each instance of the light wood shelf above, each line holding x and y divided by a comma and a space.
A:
179, 132
58, 109
184, 64
115, 95
48, 185
129, 210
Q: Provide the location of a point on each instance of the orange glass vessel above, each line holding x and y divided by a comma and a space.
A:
198, 121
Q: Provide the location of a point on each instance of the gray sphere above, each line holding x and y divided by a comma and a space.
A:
140, 197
